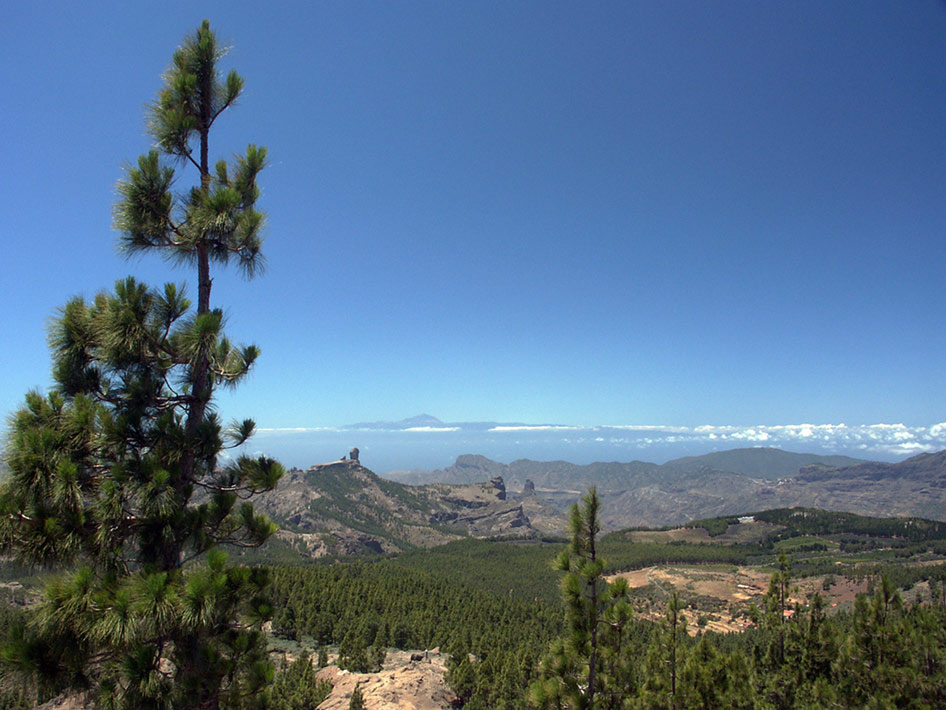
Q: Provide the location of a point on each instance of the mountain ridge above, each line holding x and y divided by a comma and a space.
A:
756, 462
341, 508
645, 494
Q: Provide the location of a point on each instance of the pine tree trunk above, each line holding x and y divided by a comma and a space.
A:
201, 389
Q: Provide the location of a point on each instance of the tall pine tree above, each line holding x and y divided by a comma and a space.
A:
115, 475
589, 668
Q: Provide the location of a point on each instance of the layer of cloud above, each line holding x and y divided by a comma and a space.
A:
886, 439
289, 430
893, 439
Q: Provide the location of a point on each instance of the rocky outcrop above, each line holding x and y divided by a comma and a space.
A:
402, 684
488, 521
341, 508
497, 483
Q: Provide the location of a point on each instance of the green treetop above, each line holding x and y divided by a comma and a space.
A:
589, 668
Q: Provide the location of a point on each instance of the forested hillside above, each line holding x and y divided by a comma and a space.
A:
495, 608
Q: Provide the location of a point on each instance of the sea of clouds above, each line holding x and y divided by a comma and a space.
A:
394, 447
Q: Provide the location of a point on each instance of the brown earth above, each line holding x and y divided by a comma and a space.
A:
401, 684
736, 587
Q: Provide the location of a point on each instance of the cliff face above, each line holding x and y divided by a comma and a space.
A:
342, 508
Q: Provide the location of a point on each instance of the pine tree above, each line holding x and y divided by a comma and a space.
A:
663, 663
296, 686
353, 655
589, 668
115, 475
357, 702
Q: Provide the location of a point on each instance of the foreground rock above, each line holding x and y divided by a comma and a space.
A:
401, 685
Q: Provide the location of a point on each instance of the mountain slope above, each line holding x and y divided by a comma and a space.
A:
545, 475
761, 462
342, 508
914, 487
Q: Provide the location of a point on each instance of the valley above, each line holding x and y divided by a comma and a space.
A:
369, 572
341, 508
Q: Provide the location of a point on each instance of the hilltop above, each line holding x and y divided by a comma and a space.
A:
341, 508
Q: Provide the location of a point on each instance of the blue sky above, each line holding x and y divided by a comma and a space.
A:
673, 213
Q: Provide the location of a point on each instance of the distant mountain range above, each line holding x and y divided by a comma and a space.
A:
342, 508
421, 420
720, 483
764, 463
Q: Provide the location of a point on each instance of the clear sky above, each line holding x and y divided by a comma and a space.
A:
658, 213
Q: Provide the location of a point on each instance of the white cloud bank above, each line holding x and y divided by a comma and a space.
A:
893, 439
541, 441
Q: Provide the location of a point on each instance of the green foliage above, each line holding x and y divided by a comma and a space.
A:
114, 475
710, 679
622, 554
496, 636
14, 694
810, 521
590, 667
217, 221
357, 701
353, 653
295, 686
519, 568
714, 526
492, 640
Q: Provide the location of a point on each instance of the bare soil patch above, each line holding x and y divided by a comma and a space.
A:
721, 594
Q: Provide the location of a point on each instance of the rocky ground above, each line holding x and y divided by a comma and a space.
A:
402, 684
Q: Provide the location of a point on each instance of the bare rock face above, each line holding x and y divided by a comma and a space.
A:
402, 684
497, 483
354, 454
68, 702
528, 489
340, 508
